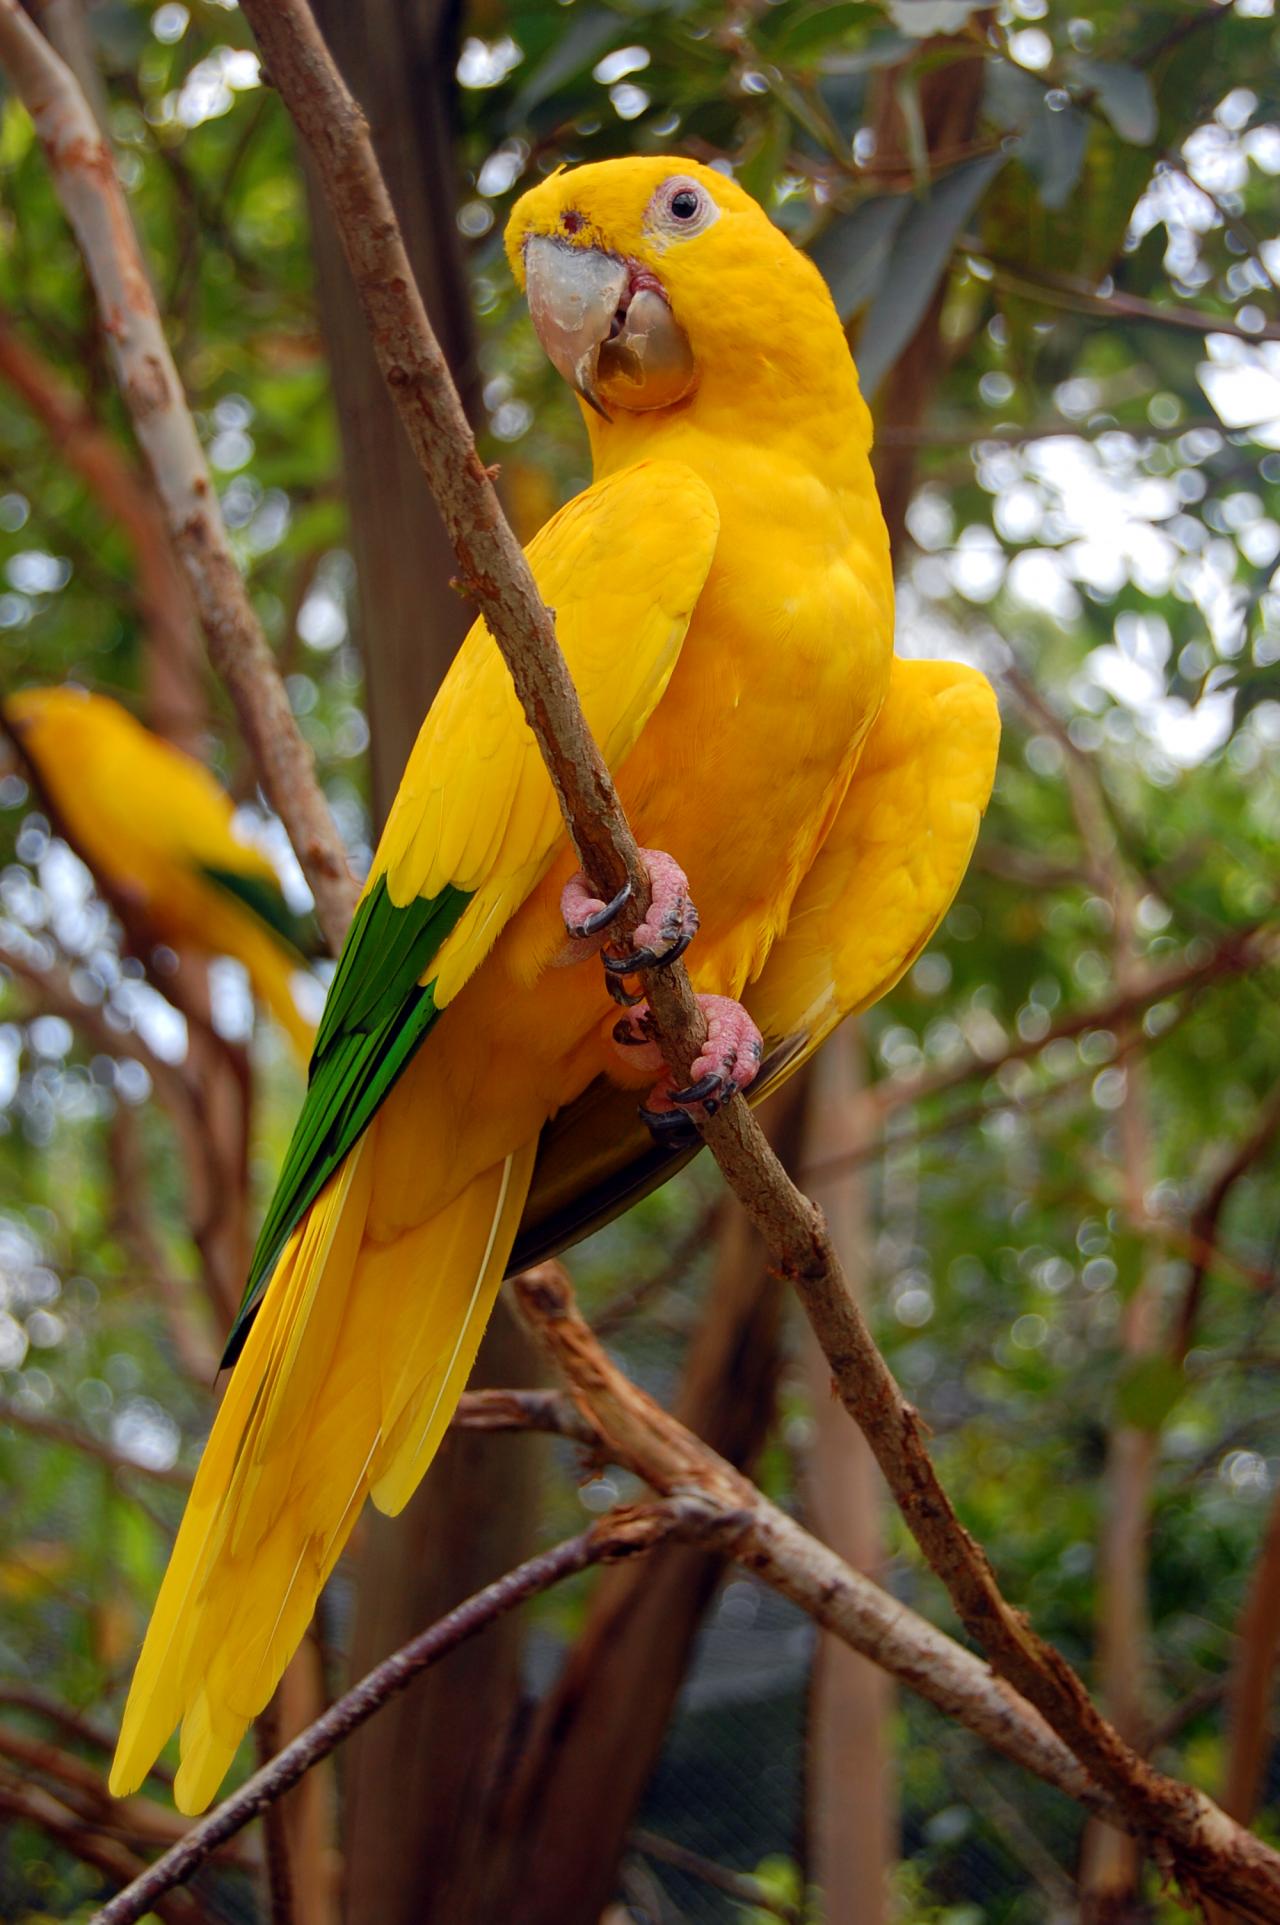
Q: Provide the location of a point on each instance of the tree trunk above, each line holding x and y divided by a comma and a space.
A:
414, 1776
852, 1806
1110, 1861
398, 58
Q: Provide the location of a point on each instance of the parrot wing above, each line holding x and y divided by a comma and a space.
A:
882, 882
476, 824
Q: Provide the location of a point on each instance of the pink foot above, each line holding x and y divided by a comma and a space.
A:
728, 1063
669, 926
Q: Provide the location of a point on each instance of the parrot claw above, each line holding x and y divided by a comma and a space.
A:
669, 926
670, 923
728, 1063
638, 959
670, 1129
706, 1086
575, 900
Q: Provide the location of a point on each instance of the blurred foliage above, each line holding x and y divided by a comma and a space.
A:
1096, 521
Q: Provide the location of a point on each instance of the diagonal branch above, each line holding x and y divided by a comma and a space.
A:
1202, 1232
54, 1431
636, 1432
1205, 1847
622, 1534
85, 178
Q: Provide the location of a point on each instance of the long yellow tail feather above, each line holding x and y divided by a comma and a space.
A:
348, 1380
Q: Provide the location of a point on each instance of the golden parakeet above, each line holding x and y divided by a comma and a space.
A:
158, 830
723, 595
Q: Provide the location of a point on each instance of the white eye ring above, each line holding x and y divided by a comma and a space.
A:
682, 207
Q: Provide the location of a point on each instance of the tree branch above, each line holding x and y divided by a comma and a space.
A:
1202, 1231
1079, 295
622, 1534
739, 1885
85, 179
637, 1433
1204, 1845
55, 1432
34, 1806
1249, 1691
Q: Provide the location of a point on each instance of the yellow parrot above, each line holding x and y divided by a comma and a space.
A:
157, 828
723, 595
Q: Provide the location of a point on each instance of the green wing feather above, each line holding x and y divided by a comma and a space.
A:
377, 1012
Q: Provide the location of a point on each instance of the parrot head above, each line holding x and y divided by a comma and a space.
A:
647, 278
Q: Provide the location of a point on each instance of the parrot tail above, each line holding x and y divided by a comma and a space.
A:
348, 1380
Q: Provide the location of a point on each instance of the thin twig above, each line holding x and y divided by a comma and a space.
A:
1202, 1232
1079, 295
32, 1805
545, 1410
1249, 1723
738, 1885
621, 1534
106, 470
28, 1697
54, 1431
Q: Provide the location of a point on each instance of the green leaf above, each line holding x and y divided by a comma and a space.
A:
1147, 1391
811, 31
853, 253
588, 35
1125, 96
920, 19
759, 171
919, 256
1051, 141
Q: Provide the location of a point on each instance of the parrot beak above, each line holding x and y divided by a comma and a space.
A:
607, 327
574, 296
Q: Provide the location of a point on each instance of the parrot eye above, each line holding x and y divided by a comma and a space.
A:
682, 207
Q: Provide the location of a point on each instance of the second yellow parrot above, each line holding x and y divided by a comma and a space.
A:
723, 595
159, 832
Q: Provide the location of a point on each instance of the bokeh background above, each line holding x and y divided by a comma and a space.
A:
1051, 1153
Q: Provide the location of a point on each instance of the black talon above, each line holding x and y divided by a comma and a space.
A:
647, 958
624, 1034
709, 1085
620, 993
601, 917
669, 1127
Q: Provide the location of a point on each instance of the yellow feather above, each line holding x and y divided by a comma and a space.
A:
894, 857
